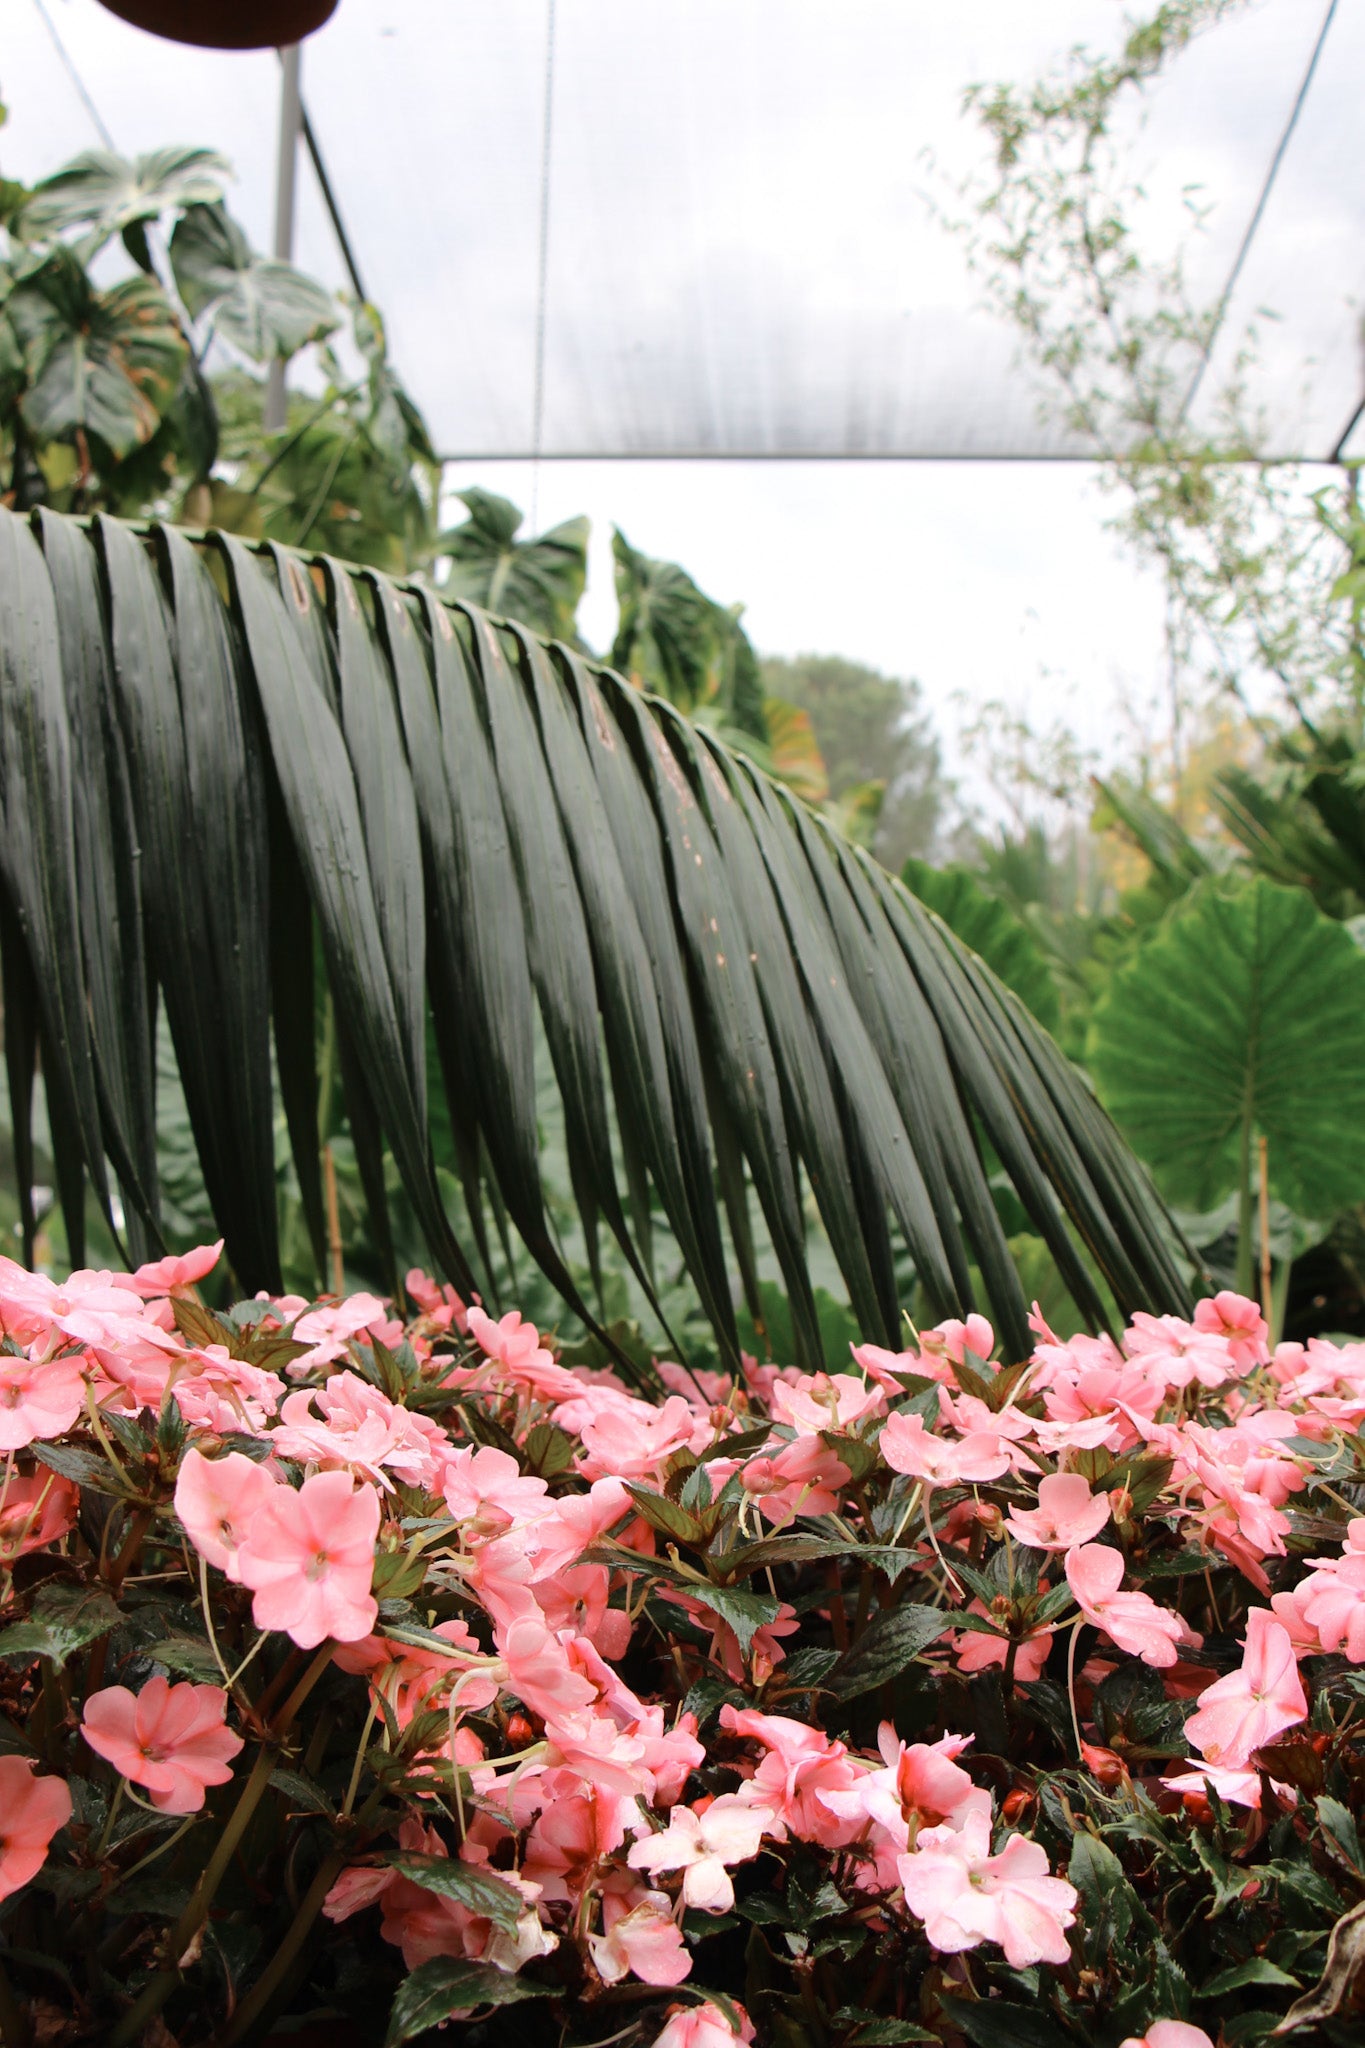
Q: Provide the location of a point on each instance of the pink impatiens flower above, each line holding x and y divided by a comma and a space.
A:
31, 1811
1239, 1714
704, 2026
701, 1846
1067, 1514
309, 1559
908, 1446
1133, 1620
217, 1501
1170, 2034
647, 1940
965, 1896
39, 1399
171, 1738
178, 1273
1331, 1600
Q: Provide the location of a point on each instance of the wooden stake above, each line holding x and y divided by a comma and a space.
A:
1267, 1293
329, 1178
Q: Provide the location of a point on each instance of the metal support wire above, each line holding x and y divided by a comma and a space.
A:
69, 65
1254, 223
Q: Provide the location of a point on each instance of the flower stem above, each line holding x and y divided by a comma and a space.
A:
1071, 1684
271, 1978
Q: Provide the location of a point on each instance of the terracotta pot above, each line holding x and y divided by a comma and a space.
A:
226, 24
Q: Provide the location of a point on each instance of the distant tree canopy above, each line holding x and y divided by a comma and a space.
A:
871, 729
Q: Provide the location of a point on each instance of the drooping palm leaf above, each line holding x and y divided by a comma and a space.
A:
738, 1006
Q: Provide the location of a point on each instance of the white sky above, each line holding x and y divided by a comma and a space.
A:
984, 580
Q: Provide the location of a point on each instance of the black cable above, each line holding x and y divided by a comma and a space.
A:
334, 211
1255, 221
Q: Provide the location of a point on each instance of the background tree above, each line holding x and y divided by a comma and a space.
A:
878, 744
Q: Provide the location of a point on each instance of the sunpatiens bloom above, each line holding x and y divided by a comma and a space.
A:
309, 1558
1331, 1599
965, 1896
1239, 1714
34, 1512
39, 1399
170, 1738
702, 1846
1133, 1620
1067, 1514
1170, 2034
218, 1500
908, 1446
31, 1811
704, 2026
178, 1273
647, 1940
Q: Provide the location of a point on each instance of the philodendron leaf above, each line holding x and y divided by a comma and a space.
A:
893, 1638
1242, 999
264, 308
64, 1619
106, 364
444, 1986
108, 193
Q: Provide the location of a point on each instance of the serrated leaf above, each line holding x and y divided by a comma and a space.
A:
479, 1890
991, 2023
444, 1986
300, 1791
666, 1516
87, 1467
893, 1639
548, 1450
745, 1612
189, 1656
1256, 1970
63, 1620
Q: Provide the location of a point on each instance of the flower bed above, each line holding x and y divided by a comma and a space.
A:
398, 1672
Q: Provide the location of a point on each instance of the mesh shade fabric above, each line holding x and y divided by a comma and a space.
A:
740, 258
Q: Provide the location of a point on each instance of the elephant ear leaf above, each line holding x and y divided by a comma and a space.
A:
263, 308
1241, 1014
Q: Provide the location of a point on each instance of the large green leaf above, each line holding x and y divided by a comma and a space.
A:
559, 877
991, 929
264, 308
110, 194
1242, 1014
105, 364
537, 581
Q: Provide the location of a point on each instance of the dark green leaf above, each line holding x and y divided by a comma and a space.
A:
479, 1890
266, 309
63, 1620
444, 1986
893, 1638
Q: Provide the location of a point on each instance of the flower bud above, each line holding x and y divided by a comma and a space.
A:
990, 1517
1016, 1803
1104, 1764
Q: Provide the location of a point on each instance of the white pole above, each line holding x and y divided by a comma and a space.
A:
290, 122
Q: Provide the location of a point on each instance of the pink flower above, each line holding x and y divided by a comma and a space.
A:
309, 1558
35, 1512
1242, 1712
1067, 1514
630, 1438
646, 1940
702, 1845
175, 1275
1134, 1621
908, 1446
217, 1501
1170, 2034
1331, 1599
965, 1896
170, 1738
821, 1400
957, 1341
39, 1398
1233, 1316
539, 1672
31, 1811
328, 1330
704, 2026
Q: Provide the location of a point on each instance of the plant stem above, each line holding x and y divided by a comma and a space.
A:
1263, 1178
270, 1979
1244, 1264
1071, 1684
159, 1988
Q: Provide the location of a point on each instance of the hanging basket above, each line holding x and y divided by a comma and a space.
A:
226, 24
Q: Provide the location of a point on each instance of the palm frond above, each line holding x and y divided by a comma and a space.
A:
210, 750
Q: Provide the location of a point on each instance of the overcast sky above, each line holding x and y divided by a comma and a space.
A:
770, 289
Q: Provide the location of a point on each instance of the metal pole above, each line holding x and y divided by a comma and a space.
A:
290, 123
